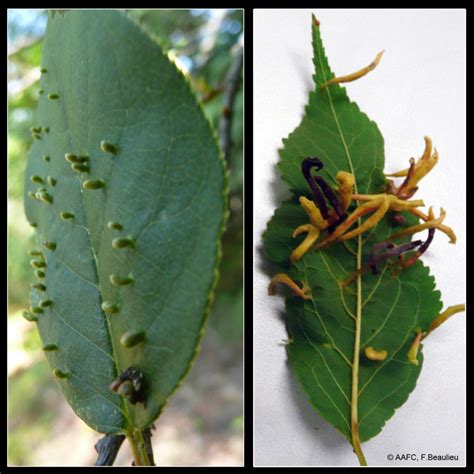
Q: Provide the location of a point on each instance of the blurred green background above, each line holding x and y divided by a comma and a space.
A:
203, 423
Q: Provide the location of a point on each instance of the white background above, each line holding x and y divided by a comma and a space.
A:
418, 89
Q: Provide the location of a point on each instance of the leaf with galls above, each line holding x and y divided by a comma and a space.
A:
125, 224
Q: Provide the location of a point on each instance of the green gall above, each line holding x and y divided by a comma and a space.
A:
37, 179
121, 242
35, 253
109, 148
114, 225
39, 274
93, 184
131, 339
71, 158
80, 167
59, 374
120, 281
45, 303
51, 181
36, 310
49, 245
29, 317
50, 347
44, 196
109, 307
46, 158
37, 263
38, 286
53, 96
66, 216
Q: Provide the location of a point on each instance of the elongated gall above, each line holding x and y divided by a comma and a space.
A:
45, 303
45, 197
50, 347
37, 179
35, 253
29, 316
38, 263
372, 354
80, 167
59, 374
109, 307
72, 158
66, 216
120, 281
122, 242
282, 278
114, 225
131, 339
93, 184
49, 245
108, 147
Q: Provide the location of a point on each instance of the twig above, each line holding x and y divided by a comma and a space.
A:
230, 90
108, 447
149, 448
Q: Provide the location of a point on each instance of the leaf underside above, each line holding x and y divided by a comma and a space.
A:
394, 306
166, 187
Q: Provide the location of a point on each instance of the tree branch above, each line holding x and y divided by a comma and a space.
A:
149, 448
230, 90
108, 447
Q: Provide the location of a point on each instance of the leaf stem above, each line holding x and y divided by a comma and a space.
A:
139, 448
355, 362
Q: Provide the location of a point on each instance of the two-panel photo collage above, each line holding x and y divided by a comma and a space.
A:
236, 238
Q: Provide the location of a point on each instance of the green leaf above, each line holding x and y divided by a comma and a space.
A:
389, 307
155, 171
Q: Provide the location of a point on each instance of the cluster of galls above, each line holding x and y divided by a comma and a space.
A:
328, 212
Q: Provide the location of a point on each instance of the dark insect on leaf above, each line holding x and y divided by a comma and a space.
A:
131, 385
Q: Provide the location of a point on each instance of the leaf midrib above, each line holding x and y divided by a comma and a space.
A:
123, 407
358, 320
